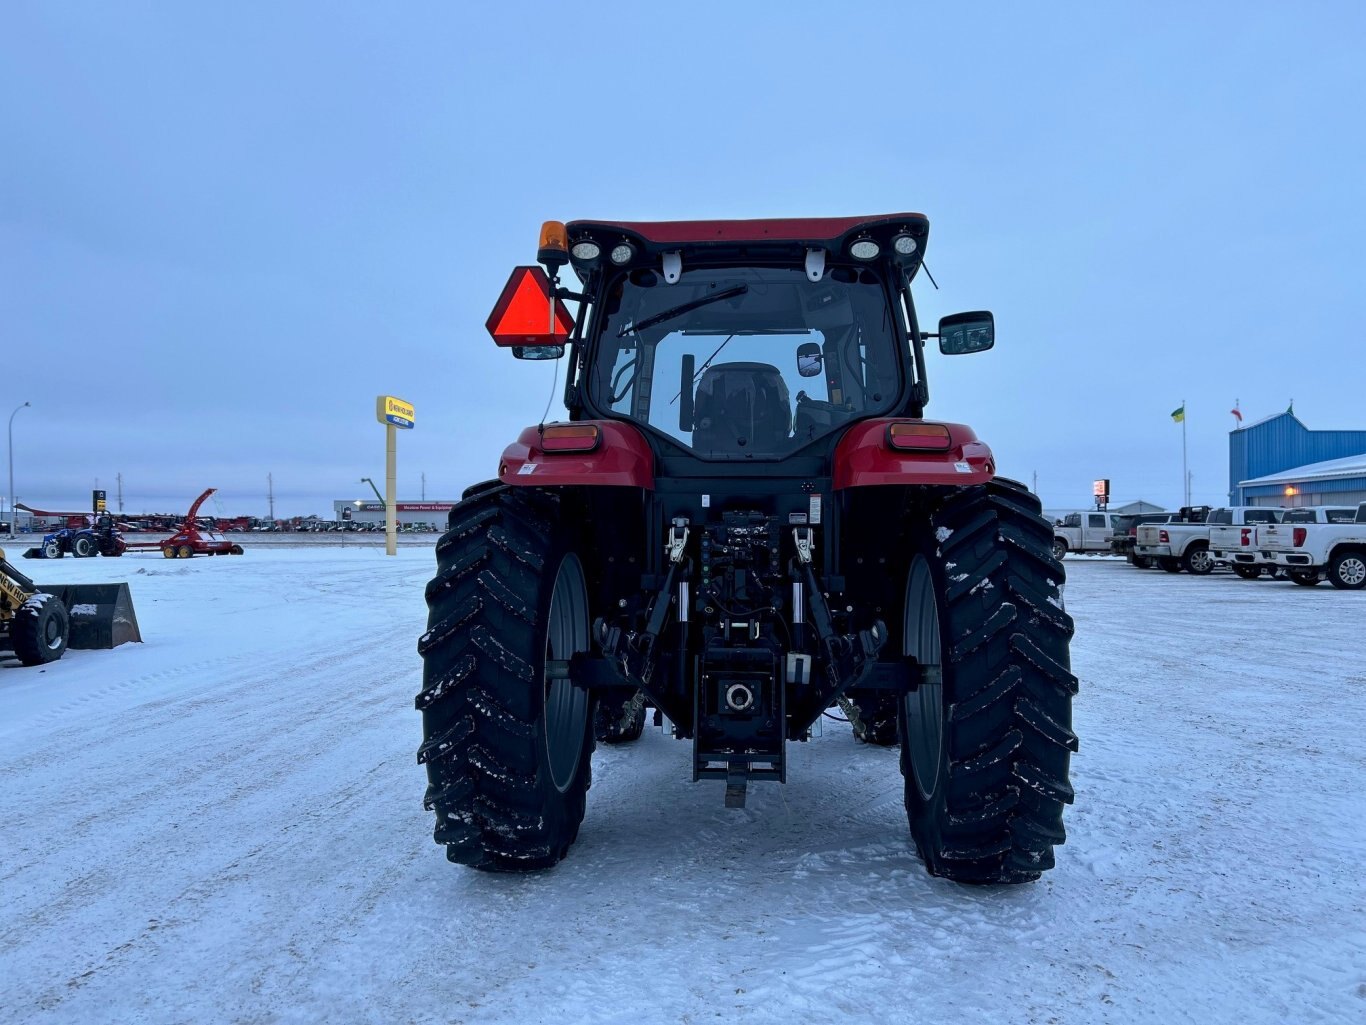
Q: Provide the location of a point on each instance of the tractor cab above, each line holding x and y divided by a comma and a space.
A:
733, 341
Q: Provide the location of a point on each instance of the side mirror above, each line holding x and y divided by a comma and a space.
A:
538, 351
967, 332
809, 359
687, 372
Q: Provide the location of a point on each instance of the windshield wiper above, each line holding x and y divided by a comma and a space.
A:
683, 308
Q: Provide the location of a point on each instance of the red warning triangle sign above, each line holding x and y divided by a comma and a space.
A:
522, 314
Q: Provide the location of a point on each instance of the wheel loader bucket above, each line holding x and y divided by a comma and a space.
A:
101, 615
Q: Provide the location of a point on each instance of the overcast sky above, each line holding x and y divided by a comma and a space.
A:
225, 229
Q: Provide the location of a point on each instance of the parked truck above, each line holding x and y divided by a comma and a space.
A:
1186, 545
1312, 552
1244, 549
1085, 533
1124, 538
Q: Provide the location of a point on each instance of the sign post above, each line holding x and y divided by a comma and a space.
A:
1100, 490
393, 413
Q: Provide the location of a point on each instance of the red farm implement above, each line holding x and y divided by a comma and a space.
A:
189, 539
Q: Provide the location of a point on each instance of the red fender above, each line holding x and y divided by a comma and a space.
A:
863, 457
622, 459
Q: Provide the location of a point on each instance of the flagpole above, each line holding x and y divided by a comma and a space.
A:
1185, 478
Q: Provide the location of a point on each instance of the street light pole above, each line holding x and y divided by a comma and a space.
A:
13, 516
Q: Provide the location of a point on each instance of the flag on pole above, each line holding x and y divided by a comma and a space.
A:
1236, 411
1179, 413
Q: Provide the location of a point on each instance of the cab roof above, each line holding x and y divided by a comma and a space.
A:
783, 229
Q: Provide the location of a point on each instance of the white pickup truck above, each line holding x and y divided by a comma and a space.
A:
1084, 533
1177, 546
1248, 550
1313, 551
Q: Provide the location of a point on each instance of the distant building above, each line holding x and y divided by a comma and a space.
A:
1279, 461
431, 512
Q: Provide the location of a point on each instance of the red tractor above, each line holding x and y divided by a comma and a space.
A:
746, 521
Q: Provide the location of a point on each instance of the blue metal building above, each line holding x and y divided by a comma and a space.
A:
1272, 447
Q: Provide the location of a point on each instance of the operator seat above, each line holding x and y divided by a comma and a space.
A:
741, 408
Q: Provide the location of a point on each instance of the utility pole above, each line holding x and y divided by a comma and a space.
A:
119, 477
270, 495
424, 485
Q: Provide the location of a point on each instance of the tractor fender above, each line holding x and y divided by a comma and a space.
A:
864, 457
622, 458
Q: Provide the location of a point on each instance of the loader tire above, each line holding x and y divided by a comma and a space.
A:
507, 747
618, 722
985, 750
40, 630
52, 550
873, 719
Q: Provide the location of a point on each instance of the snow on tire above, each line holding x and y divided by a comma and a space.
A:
507, 746
985, 748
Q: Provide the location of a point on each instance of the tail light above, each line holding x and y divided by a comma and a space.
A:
1298, 536
922, 436
1163, 538
571, 438
1133, 532
1246, 538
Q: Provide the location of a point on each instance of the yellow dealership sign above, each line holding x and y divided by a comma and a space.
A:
389, 410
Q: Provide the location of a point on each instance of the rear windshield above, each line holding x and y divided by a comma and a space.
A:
724, 378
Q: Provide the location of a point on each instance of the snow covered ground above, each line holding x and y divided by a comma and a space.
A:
224, 824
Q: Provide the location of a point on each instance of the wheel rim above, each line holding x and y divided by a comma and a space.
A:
1352, 570
566, 706
1201, 561
52, 633
924, 706
1059, 550
52, 550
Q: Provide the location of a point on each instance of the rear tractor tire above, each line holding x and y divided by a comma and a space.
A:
40, 630
83, 548
873, 719
985, 750
619, 722
508, 747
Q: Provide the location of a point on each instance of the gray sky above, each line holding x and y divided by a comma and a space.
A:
224, 230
